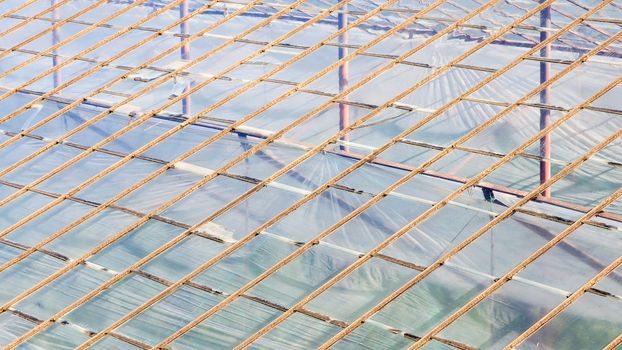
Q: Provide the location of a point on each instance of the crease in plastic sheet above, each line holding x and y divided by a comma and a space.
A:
417, 311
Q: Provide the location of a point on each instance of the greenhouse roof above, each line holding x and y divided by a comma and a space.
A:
295, 174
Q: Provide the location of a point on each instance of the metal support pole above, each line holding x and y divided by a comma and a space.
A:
57, 77
545, 98
344, 109
184, 28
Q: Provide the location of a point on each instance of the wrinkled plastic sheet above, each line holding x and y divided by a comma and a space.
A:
491, 324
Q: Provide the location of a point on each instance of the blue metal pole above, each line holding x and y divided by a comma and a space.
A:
56, 76
184, 28
545, 98
344, 109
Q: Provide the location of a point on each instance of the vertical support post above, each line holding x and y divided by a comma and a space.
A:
344, 109
184, 28
545, 98
56, 76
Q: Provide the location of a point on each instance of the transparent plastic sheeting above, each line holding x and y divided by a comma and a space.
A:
569, 140
437, 296
591, 322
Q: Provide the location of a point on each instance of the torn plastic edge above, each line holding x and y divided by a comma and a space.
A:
413, 107
217, 231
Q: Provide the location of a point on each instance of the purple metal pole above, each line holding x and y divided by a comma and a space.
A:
184, 28
344, 109
545, 98
56, 76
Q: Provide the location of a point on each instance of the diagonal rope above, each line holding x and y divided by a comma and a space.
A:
86, 51
30, 19
355, 23
531, 258
384, 193
439, 262
54, 26
614, 343
571, 298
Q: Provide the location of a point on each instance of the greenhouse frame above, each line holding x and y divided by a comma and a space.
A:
311, 174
